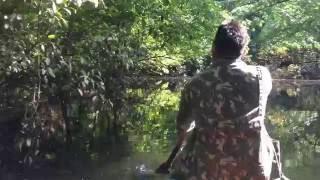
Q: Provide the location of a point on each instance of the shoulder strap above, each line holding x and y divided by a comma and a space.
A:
260, 107
276, 150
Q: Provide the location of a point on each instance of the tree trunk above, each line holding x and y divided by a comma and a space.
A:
64, 106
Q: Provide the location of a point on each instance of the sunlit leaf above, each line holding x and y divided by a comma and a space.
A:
59, 1
54, 7
28, 142
80, 92
95, 2
51, 36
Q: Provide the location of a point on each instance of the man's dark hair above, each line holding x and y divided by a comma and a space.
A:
230, 40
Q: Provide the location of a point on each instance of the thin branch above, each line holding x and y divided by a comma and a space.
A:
155, 57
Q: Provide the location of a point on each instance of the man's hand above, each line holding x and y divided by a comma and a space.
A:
163, 168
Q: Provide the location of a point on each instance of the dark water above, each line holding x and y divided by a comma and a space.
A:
293, 116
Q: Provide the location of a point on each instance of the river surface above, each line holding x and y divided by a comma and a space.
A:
293, 117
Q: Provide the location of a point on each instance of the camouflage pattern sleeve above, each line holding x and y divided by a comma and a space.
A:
184, 119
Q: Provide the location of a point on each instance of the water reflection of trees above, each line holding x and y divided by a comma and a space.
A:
294, 95
294, 115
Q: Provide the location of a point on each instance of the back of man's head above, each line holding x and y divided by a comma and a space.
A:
230, 40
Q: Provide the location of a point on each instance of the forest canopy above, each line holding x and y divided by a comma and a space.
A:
144, 33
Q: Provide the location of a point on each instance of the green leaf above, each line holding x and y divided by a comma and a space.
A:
51, 36
51, 73
54, 7
80, 92
47, 61
95, 2
28, 142
59, 1
68, 11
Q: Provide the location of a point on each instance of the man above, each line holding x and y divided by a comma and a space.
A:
226, 106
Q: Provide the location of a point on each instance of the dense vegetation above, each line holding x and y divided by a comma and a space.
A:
66, 65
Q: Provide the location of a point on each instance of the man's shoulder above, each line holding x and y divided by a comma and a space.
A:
203, 79
206, 75
264, 70
252, 69
212, 74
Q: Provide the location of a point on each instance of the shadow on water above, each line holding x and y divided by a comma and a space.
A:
293, 117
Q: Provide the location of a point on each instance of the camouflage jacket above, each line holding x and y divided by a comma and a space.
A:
221, 101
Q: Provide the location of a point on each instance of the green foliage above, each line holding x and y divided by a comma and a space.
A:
157, 115
280, 23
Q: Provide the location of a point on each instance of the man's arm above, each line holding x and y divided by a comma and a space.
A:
182, 125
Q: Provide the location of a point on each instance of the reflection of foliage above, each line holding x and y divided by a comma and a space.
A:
289, 123
154, 120
298, 133
298, 96
294, 117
